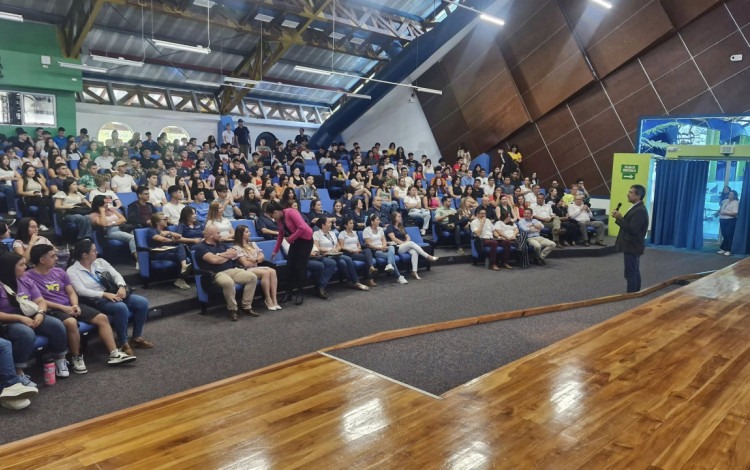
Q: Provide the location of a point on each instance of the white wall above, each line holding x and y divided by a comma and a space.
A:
94, 116
396, 118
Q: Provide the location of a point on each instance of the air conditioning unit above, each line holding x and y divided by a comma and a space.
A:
726, 149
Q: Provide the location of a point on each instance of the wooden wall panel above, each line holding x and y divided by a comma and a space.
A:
715, 63
589, 104
644, 102
568, 149
469, 50
680, 85
481, 75
586, 169
626, 81
562, 83
682, 12
734, 93
705, 103
508, 116
707, 30
740, 11
665, 58
556, 124
603, 130
529, 141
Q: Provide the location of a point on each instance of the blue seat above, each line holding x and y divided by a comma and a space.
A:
127, 199
267, 247
250, 224
112, 248
441, 236
40, 342
65, 231
312, 168
73, 165
202, 276
304, 205
148, 267
9, 243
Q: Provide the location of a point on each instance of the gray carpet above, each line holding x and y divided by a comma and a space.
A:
193, 350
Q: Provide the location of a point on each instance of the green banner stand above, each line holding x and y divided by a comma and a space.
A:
628, 169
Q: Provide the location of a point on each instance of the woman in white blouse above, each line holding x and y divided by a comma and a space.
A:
106, 216
349, 245
727, 221
216, 218
250, 257
374, 237
413, 203
326, 243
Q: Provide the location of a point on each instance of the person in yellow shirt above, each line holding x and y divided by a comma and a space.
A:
515, 154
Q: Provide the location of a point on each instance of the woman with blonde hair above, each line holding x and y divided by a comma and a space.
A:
216, 218
250, 257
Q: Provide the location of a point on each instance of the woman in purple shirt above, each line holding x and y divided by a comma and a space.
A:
293, 227
21, 329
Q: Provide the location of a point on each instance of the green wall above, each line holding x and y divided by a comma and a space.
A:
21, 53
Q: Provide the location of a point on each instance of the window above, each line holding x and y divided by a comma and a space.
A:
174, 133
124, 133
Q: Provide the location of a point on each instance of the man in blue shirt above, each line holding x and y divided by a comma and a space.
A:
200, 205
242, 138
60, 138
542, 246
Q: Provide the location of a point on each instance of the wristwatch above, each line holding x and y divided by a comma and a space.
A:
123, 286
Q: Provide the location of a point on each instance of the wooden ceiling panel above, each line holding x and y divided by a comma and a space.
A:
682, 12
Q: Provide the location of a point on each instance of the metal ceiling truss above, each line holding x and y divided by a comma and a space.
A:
262, 58
77, 23
373, 21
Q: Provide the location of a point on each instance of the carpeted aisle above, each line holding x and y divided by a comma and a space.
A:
193, 350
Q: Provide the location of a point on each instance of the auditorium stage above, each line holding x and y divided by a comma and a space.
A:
665, 385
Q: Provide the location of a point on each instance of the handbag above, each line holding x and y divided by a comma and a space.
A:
28, 308
108, 282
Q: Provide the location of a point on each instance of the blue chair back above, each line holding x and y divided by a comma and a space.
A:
202, 294
267, 247
141, 244
250, 224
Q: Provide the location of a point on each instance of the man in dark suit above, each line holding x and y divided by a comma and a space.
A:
633, 227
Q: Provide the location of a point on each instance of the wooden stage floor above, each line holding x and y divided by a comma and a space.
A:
666, 385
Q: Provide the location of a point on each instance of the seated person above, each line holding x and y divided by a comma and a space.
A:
542, 246
266, 227
103, 189
375, 241
316, 213
396, 233
250, 257
214, 256
358, 214
189, 227
447, 219
250, 205
121, 181
159, 237
216, 219
321, 268
325, 241
483, 229
308, 190
105, 216
14, 395
141, 210
581, 214
173, 208
544, 214
350, 246
55, 286
27, 237
74, 208
22, 324
157, 196
505, 235
86, 275
200, 204
568, 228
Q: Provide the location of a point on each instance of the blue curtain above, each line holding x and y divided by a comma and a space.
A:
741, 242
679, 200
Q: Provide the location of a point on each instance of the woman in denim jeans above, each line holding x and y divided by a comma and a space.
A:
104, 215
20, 329
374, 237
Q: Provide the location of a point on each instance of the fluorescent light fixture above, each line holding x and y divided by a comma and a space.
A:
492, 19
290, 24
428, 90
204, 3
482, 15
603, 3
264, 18
242, 81
116, 60
193, 81
84, 67
356, 41
336, 36
302, 68
182, 47
11, 17
358, 96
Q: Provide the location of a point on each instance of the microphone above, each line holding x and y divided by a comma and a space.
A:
619, 204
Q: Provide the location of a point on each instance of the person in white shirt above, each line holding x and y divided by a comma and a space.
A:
483, 229
103, 189
727, 221
306, 153
156, 196
542, 246
581, 214
413, 204
408, 180
543, 213
104, 162
505, 234
121, 181
174, 207
227, 136
374, 237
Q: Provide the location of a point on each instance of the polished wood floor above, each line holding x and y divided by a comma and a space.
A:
663, 386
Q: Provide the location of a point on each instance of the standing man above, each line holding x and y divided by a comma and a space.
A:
242, 138
630, 240
227, 136
301, 138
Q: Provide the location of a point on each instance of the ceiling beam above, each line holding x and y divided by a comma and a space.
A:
77, 23
260, 61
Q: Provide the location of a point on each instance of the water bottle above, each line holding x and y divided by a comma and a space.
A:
49, 373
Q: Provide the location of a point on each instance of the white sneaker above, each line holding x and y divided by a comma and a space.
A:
119, 357
402, 280
18, 391
43, 228
12, 213
137, 266
15, 404
727, 253
721, 252
423, 232
61, 368
388, 268
79, 367
181, 284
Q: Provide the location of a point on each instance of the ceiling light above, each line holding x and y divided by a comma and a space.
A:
428, 90
290, 24
84, 67
116, 60
336, 36
356, 41
264, 18
11, 17
241, 81
204, 3
482, 15
193, 81
302, 68
603, 3
357, 95
182, 47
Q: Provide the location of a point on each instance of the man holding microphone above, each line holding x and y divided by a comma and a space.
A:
633, 227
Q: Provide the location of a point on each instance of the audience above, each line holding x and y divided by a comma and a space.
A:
250, 257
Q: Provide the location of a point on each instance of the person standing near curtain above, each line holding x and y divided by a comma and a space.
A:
728, 221
299, 235
631, 239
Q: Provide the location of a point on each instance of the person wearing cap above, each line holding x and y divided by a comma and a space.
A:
242, 137
174, 207
121, 181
